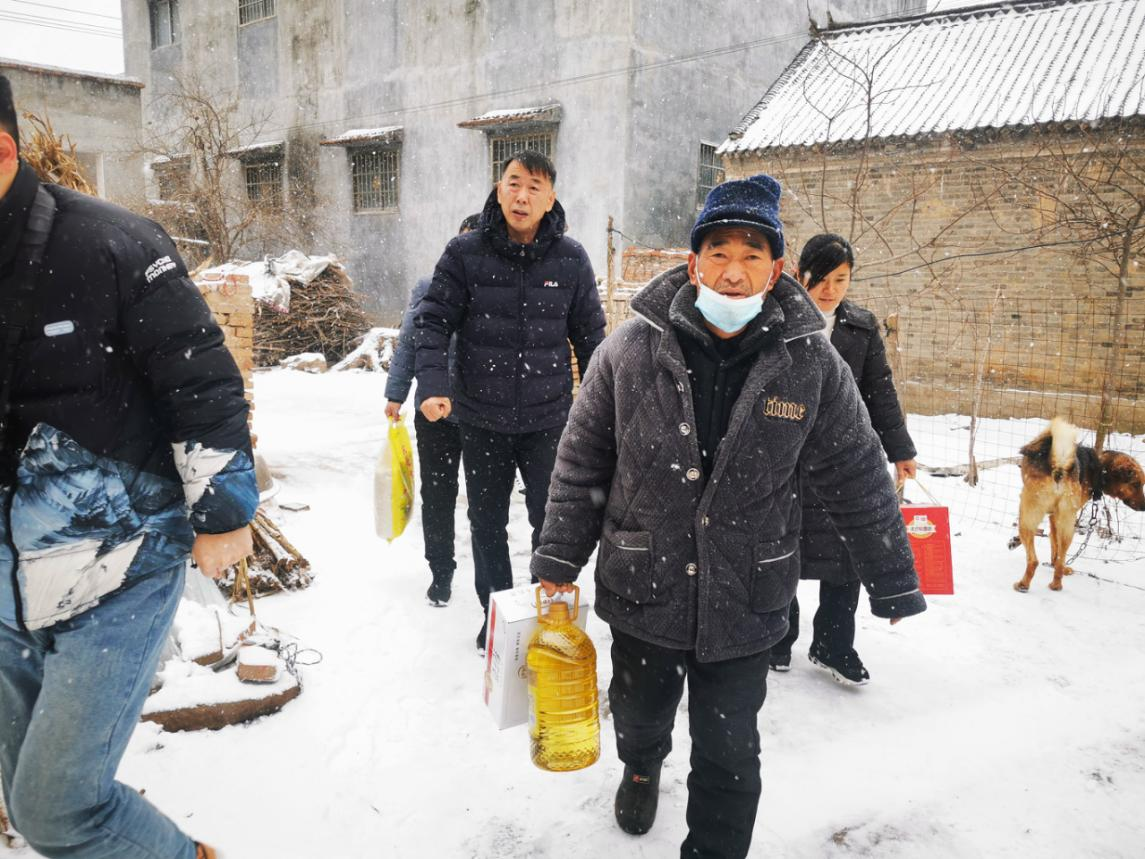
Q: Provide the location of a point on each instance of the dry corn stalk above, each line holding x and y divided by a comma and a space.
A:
52, 156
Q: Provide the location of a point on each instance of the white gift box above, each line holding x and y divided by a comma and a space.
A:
512, 619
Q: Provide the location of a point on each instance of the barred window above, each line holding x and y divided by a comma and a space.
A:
264, 183
173, 179
503, 147
376, 175
164, 22
711, 172
255, 10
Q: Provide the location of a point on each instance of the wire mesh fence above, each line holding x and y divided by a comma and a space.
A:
979, 378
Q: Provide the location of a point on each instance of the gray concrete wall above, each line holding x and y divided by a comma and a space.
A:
676, 106
627, 144
427, 66
100, 114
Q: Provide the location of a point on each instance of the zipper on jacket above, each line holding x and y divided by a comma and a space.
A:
517, 409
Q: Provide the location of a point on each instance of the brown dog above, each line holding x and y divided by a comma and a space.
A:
1058, 477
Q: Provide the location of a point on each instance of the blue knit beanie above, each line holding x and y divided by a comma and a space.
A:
751, 202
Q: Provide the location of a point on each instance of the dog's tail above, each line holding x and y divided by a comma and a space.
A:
1063, 447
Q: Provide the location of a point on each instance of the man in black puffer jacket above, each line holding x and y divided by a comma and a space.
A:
515, 291
124, 449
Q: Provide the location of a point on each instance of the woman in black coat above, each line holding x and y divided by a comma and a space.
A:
825, 271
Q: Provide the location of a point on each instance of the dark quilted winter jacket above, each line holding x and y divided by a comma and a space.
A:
514, 308
856, 338
712, 566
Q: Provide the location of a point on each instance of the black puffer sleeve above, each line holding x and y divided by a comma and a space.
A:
177, 346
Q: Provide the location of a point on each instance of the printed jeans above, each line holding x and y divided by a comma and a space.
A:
70, 697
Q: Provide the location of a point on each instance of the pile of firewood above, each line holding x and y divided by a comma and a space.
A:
52, 156
275, 566
326, 316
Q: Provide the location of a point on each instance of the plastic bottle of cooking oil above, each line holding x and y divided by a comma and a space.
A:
564, 720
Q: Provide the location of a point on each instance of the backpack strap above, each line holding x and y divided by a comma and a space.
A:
17, 303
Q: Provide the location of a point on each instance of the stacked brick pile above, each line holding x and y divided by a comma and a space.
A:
229, 298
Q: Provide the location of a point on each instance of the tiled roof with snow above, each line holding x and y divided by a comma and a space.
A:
261, 148
386, 134
1006, 64
513, 115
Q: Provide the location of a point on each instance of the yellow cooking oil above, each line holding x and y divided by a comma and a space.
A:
564, 717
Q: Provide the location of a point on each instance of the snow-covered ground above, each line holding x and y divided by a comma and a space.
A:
996, 724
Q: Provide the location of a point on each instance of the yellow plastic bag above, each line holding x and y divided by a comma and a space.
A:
393, 483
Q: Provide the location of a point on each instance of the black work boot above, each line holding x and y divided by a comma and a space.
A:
439, 592
636, 800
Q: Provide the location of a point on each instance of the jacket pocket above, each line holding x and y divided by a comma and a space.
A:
625, 564
775, 573
65, 359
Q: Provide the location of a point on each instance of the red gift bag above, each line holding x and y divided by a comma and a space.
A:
928, 528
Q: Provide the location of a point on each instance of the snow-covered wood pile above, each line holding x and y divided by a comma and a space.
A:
302, 304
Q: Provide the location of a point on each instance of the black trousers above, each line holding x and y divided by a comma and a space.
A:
492, 460
724, 699
834, 623
439, 458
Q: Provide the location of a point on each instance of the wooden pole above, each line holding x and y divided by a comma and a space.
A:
610, 313
1108, 381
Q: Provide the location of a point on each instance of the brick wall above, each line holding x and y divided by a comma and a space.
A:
230, 300
1035, 327
640, 265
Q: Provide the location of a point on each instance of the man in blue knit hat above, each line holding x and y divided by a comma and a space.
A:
680, 466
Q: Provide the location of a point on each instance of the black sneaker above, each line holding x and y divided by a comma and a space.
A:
438, 594
847, 669
481, 637
780, 662
636, 800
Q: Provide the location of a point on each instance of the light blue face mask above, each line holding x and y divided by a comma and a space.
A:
726, 313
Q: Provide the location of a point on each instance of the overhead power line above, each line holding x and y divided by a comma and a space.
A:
587, 77
59, 24
71, 9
